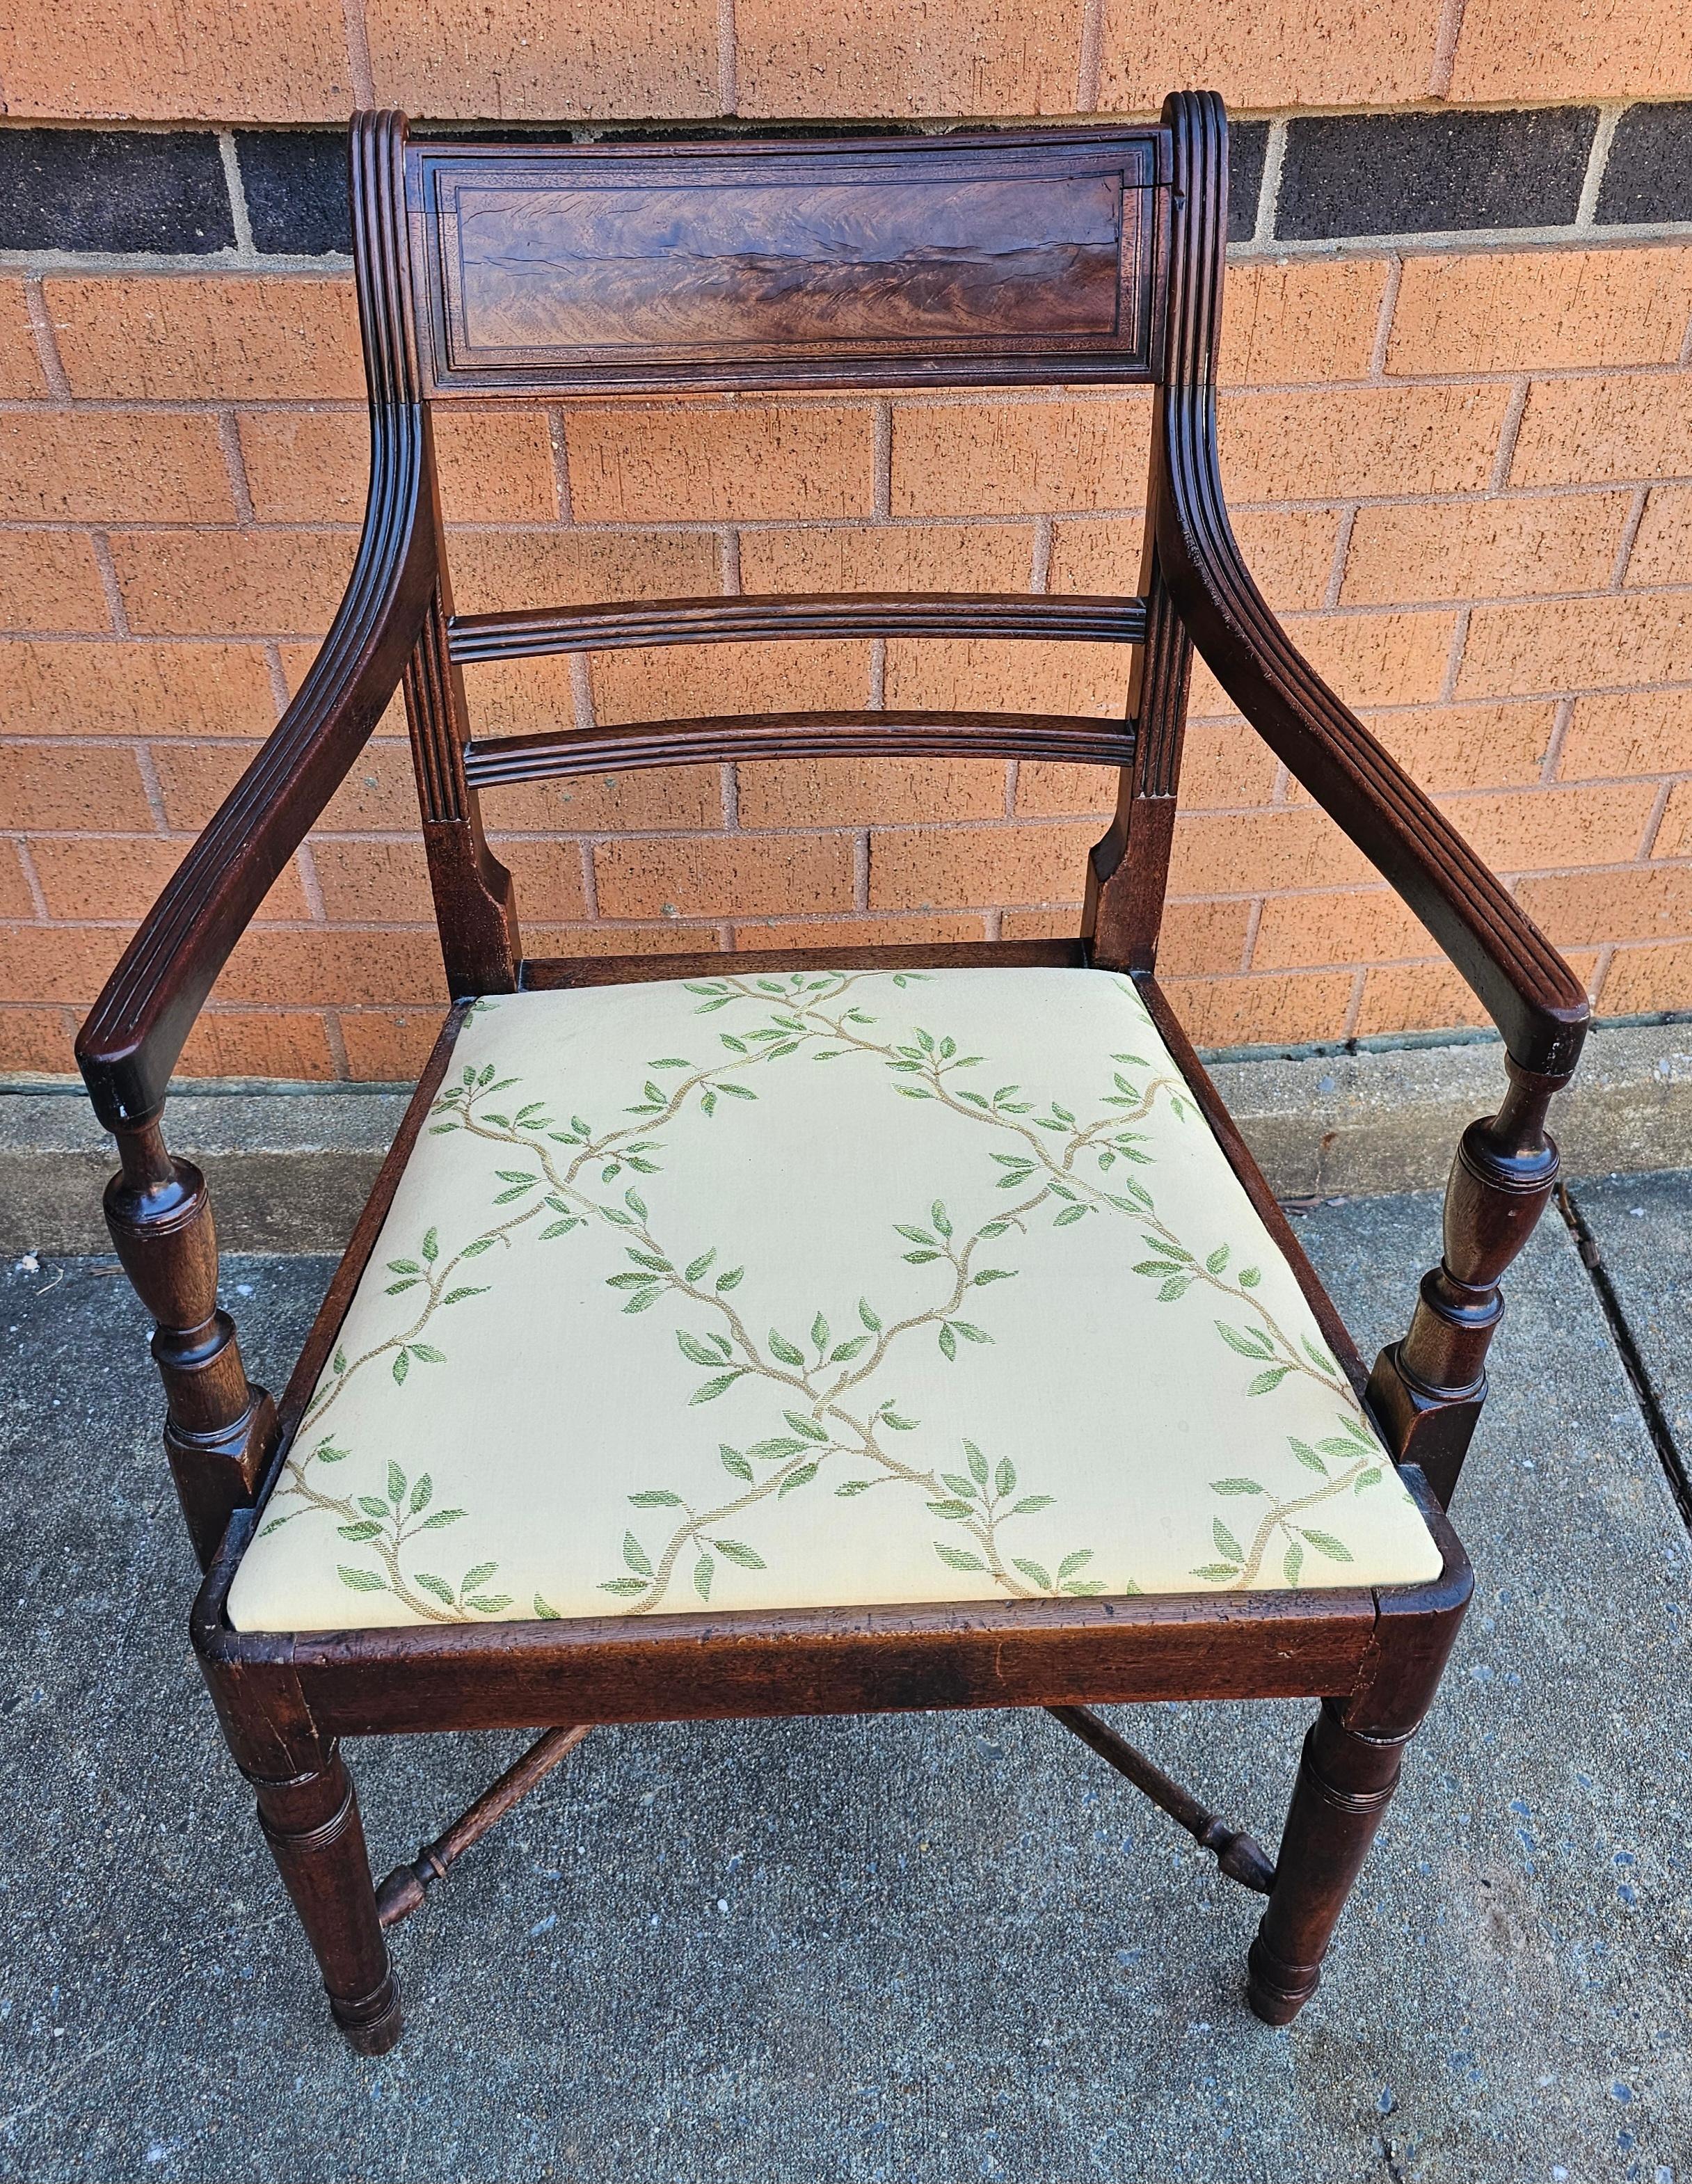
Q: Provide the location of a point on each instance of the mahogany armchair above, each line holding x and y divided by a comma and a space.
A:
1051, 1410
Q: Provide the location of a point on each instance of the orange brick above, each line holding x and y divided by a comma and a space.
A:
285, 967
44, 963
765, 933
1466, 746
1674, 835
1059, 921
1663, 552
668, 798
1289, 551
242, 1043
107, 876
194, 778
499, 572
222, 337
388, 1046
505, 59
15, 898
1007, 675
928, 868
1019, 458
74, 786
1630, 732
1262, 1011
1297, 931
548, 877
1579, 431
697, 681
1262, 852
125, 689
569, 941
1542, 827
218, 59
104, 466
852, 792
1524, 311
373, 883
379, 794
1646, 902
181, 583
1513, 50
50, 579
1483, 548
889, 557
1332, 53
731, 876
1368, 659
1640, 638
707, 461
1223, 765
885, 57
38, 1042
1202, 936
1332, 444
310, 465
21, 376
1300, 320
1416, 997
1643, 980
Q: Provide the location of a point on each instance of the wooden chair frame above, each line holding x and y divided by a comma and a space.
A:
1372, 1656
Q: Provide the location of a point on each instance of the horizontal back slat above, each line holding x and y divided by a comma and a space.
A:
627, 746
604, 269
531, 632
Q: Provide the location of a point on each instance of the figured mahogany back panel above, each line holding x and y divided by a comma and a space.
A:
1014, 259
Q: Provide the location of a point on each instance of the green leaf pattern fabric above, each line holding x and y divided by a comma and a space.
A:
843, 1288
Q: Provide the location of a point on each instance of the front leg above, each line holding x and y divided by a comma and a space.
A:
1427, 1390
311, 1825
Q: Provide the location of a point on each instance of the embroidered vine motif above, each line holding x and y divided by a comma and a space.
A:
833, 1423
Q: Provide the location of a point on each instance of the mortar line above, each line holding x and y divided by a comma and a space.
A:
1509, 432
1586, 212
1039, 573
1087, 65
1553, 750
335, 1040
152, 788
1646, 1395
1630, 531
1445, 37
280, 695
560, 468
1384, 325
1269, 188
245, 248
1648, 837
883, 459
357, 33
310, 886
1342, 555
728, 59
46, 342
235, 461
101, 548
32, 878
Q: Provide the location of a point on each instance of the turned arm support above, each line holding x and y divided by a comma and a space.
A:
219, 1429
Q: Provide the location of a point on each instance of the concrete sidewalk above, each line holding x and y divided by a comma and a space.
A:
935, 1948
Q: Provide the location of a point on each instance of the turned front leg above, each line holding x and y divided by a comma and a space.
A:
1427, 1390
219, 1428
311, 1825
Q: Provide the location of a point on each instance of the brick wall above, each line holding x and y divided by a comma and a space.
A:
1455, 430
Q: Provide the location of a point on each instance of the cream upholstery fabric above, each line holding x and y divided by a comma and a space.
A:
845, 1288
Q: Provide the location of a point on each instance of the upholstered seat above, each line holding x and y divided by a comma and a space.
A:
836, 1288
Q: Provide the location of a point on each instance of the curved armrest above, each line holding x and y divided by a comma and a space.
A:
129, 1046
1532, 995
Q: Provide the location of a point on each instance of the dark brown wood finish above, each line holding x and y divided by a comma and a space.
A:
629, 746
494, 270
793, 615
1012, 258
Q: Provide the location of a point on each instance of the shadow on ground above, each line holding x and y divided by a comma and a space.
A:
935, 1947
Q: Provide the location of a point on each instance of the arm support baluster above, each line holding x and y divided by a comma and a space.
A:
1428, 1390
219, 1428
